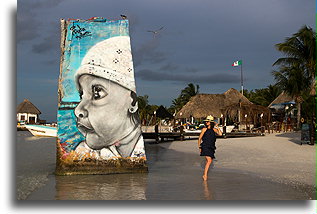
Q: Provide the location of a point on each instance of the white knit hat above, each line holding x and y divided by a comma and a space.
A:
110, 59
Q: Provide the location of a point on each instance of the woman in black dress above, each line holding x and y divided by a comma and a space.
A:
207, 146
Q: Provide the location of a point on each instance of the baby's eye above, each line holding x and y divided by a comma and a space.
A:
98, 92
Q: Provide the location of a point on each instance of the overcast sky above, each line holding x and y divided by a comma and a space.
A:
199, 42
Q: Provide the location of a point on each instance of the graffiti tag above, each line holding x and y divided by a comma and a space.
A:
79, 32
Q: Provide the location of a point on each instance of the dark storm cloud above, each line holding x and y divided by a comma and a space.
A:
150, 75
48, 43
133, 22
148, 52
54, 61
168, 67
28, 23
44, 45
191, 70
198, 36
27, 26
38, 4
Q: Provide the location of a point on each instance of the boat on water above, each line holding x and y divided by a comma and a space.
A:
42, 130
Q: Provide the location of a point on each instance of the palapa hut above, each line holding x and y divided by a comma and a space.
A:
248, 115
27, 112
279, 106
202, 105
230, 105
282, 99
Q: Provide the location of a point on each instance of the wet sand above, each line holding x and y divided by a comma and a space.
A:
257, 168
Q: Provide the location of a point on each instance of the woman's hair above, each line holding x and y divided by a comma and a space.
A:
212, 124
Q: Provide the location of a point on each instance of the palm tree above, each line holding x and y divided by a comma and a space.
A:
143, 106
296, 73
177, 104
265, 96
293, 82
300, 49
189, 91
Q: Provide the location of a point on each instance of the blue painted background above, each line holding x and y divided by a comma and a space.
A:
76, 48
80, 37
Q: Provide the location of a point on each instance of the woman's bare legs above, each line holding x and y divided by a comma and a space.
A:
208, 162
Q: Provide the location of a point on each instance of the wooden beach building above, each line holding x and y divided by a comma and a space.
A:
283, 112
282, 99
248, 115
202, 105
282, 106
28, 112
231, 106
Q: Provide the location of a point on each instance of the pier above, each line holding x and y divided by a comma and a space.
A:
162, 136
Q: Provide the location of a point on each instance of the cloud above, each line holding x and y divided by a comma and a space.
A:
169, 67
28, 24
44, 46
133, 22
148, 53
191, 70
54, 61
37, 4
47, 43
149, 75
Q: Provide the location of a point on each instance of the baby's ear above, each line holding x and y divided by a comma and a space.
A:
134, 104
134, 98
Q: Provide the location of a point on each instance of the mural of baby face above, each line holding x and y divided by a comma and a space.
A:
102, 114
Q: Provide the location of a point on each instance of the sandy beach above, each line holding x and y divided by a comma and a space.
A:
277, 156
271, 167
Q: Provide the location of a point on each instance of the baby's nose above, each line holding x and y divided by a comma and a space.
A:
80, 111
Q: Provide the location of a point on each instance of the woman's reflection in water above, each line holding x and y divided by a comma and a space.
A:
207, 192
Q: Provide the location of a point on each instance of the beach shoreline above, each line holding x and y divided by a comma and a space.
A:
253, 168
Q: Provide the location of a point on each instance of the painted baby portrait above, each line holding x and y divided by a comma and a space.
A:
98, 117
107, 114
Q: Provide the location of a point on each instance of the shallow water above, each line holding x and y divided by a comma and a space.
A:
172, 175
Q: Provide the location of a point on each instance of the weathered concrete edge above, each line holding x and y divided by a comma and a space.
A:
98, 167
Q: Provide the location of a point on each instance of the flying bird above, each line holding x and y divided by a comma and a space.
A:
123, 16
155, 31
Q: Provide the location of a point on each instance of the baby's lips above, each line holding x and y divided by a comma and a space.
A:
83, 128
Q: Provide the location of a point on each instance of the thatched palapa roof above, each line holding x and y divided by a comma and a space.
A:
202, 105
282, 98
27, 107
252, 111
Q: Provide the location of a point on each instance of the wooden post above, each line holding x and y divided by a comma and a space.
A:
224, 133
224, 128
268, 128
262, 131
182, 132
156, 129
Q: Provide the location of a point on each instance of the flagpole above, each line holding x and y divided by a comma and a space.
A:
241, 79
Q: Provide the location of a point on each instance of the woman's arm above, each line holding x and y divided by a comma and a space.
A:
201, 136
217, 130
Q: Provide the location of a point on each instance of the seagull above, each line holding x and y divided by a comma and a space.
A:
155, 31
123, 16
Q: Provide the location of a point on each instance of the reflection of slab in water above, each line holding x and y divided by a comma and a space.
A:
93, 187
